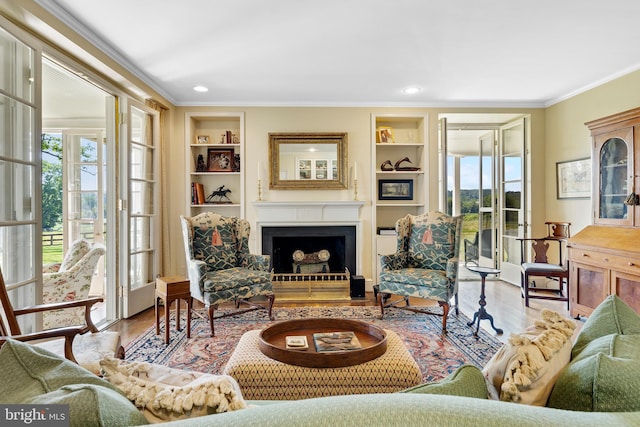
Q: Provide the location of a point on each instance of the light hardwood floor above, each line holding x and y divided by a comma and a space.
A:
503, 303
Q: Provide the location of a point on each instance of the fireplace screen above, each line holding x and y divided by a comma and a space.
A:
311, 262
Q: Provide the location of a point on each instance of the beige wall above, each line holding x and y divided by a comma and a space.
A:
567, 138
259, 121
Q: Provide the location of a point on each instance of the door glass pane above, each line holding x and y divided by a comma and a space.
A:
16, 70
510, 222
512, 138
141, 197
511, 250
487, 176
512, 167
16, 130
141, 162
142, 267
140, 232
486, 233
17, 253
513, 195
17, 195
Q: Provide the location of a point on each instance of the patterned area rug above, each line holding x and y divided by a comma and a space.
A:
436, 355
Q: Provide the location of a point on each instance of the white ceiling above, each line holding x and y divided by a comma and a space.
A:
364, 52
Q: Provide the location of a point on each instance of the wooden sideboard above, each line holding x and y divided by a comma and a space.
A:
604, 260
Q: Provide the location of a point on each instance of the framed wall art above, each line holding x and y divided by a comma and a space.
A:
220, 160
202, 139
395, 189
573, 179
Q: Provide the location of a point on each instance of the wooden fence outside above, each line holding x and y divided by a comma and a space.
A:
54, 239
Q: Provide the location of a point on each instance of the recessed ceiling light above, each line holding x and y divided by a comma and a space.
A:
412, 90
200, 88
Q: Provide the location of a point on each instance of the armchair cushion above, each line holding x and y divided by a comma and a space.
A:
432, 245
234, 278
416, 277
215, 244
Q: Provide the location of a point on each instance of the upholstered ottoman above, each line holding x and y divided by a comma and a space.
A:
261, 377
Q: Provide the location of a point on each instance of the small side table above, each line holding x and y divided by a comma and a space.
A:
169, 289
482, 313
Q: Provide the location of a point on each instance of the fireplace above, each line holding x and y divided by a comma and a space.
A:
310, 227
282, 242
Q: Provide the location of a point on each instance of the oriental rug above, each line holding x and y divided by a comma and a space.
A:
437, 355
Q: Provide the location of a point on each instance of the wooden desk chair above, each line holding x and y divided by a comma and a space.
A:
541, 266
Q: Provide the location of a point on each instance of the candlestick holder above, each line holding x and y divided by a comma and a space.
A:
259, 190
355, 189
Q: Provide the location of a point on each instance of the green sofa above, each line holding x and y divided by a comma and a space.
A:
599, 387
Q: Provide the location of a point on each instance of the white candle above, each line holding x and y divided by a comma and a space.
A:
355, 171
259, 170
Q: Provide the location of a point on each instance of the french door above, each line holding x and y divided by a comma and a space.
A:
20, 215
513, 211
139, 206
487, 225
489, 158
84, 191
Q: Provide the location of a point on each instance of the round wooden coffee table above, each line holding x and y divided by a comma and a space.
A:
272, 342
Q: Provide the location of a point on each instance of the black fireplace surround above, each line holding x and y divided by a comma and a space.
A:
281, 242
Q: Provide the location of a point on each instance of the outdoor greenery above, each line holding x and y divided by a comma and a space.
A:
51, 182
51, 253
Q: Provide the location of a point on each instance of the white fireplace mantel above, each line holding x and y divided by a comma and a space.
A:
336, 211
283, 214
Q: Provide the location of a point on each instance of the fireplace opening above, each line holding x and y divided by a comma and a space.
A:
282, 242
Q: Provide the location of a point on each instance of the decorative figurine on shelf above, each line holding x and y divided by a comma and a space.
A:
221, 194
201, 166
386, 166
405, 168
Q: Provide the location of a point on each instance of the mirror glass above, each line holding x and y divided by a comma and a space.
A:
307, 161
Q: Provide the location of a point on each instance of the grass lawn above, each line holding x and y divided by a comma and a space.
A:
52, 254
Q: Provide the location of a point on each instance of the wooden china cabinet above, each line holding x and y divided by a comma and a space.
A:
605, 257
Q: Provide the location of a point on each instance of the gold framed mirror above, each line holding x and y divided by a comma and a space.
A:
308, 161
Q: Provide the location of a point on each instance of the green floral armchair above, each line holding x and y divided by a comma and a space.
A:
219, 264
425, 264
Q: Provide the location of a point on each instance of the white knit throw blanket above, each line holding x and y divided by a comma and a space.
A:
552, 332
166, 394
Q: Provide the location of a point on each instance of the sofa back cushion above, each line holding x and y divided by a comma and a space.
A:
604, 373
611, 316
37, 376
604, 377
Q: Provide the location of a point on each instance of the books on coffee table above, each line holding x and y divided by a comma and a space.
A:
296, 342
336, 341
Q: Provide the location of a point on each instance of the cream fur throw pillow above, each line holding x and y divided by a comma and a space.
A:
525, 369
165, 394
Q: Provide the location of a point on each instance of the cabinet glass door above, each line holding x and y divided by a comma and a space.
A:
613, 182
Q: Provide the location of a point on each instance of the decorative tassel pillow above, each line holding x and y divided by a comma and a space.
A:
165, 394
525, 369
